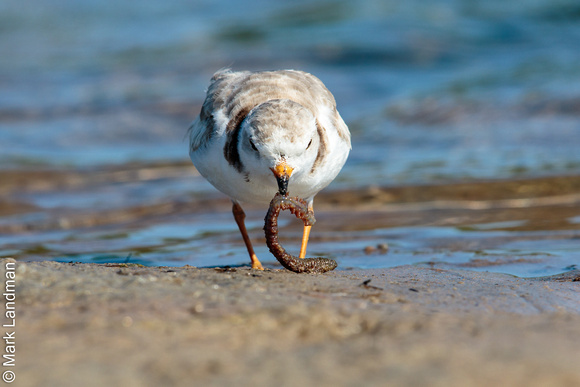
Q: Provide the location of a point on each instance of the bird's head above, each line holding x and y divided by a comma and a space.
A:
279, 138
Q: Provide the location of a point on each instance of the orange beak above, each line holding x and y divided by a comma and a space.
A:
282, 171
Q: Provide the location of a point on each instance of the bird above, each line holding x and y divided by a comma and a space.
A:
267, 132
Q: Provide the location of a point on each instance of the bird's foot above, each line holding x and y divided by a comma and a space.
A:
256, 264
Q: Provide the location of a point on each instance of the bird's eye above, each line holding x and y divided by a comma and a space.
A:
310, 143
253, 145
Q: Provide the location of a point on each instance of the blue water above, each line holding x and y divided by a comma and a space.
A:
214, 240
435, 91
432, 91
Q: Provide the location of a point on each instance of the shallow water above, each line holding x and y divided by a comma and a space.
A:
433, 92
480, 226
213, 240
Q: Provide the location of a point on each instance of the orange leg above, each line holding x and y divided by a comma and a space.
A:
239, 216
305, 236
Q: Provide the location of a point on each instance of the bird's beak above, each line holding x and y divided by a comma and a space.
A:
282, 171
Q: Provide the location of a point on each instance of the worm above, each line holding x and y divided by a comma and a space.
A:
299, 208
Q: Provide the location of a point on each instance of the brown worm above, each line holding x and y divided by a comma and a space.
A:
299, 208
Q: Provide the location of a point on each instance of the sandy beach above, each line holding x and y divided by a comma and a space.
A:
127, 325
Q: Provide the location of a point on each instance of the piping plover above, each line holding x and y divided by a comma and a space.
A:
259, 133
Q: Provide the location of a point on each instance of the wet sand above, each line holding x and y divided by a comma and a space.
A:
127, 325
546, 203
97, 215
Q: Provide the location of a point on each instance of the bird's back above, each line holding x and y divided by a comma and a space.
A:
232, 95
